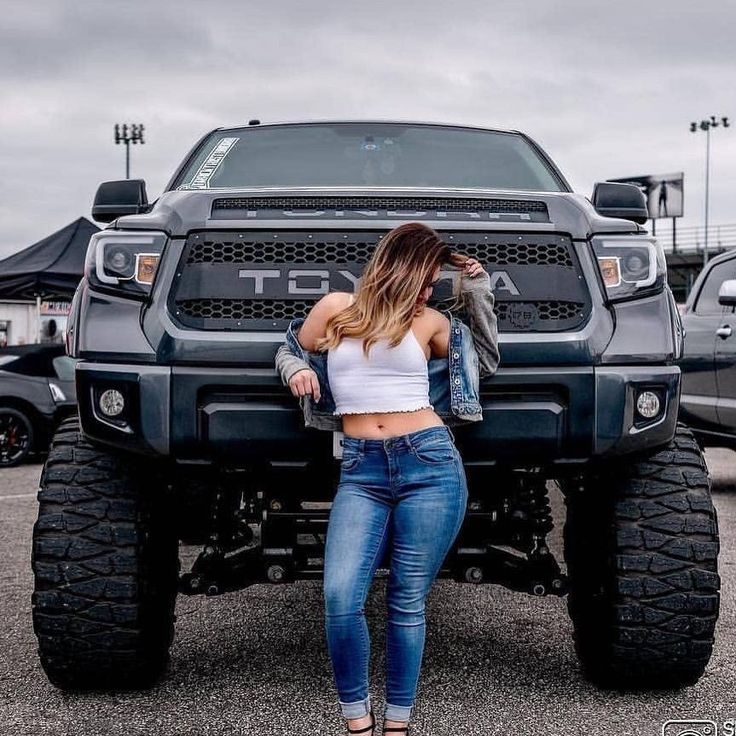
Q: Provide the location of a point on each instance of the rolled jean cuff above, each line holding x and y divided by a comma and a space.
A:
397, 712
358, 709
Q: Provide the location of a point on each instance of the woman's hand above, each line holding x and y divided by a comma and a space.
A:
472, 267
304, 382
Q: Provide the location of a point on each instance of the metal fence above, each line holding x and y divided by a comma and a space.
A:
692, 239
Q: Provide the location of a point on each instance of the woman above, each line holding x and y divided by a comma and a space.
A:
402, 477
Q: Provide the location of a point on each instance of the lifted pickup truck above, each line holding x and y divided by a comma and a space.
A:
186, 433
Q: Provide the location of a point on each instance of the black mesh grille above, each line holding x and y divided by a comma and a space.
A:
224, 313
357, 247
504, 254
244, 309
283, 250
393, 203
216, 287
546, 310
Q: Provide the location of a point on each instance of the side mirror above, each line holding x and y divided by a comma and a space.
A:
620, 200
117, 198
727, 293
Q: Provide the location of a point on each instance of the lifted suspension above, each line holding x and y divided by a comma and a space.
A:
291, 544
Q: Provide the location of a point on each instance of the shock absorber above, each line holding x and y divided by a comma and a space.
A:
533, 514
209, 566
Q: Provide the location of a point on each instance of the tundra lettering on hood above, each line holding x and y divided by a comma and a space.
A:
389, 214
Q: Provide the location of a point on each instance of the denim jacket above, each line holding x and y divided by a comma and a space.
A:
454, 382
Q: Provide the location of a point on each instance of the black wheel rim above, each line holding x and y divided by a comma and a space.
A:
14, 438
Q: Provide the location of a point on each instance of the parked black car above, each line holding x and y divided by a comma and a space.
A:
708, 363
36, 392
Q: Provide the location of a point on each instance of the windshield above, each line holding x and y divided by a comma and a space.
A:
367, 154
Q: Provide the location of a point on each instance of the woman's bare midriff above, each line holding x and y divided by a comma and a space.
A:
391, 424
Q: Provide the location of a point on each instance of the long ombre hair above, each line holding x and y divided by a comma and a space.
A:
400, 268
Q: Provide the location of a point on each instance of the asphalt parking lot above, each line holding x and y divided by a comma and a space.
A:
255, 662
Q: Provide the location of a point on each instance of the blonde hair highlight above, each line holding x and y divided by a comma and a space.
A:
400, 268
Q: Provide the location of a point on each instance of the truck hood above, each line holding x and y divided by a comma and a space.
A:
177, 212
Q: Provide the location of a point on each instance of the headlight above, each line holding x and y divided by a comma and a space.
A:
631, 265
124, 261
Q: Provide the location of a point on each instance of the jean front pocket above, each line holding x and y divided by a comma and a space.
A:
351, 459
434, 451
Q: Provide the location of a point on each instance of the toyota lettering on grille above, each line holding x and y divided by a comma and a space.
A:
316, 282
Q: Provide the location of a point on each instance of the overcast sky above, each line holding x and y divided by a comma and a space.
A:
607, 89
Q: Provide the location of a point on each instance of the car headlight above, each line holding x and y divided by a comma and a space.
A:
631, 265
124, 261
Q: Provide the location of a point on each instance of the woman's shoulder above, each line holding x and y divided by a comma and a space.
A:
430, 323
341, 298
315, 323
432, 316
334, 301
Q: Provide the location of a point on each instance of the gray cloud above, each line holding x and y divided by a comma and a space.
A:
608, 91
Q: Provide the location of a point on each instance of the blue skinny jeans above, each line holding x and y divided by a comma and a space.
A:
410, 492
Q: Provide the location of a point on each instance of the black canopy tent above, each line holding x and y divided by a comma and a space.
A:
49, 269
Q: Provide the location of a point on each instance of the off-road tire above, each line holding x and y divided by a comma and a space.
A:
106, 566
641, 544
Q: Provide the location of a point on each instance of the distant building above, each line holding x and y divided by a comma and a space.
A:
19, 323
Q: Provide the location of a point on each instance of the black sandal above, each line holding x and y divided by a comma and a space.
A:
405, 729
365, 728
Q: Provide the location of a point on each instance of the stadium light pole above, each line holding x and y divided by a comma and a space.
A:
706, 125
128, 136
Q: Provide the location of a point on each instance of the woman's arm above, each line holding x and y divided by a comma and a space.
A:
295, 372
439, 341
315, 325
287, 364
479, 301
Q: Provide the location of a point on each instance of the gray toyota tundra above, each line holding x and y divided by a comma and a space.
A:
186, 433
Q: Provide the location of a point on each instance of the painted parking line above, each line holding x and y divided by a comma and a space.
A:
18, 495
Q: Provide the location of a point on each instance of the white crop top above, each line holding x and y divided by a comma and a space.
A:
389, 380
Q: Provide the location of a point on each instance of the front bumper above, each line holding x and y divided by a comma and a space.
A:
244, 416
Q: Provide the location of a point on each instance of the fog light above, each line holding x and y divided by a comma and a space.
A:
647, 404
112, 402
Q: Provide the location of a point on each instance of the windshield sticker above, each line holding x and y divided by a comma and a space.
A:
201, 180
